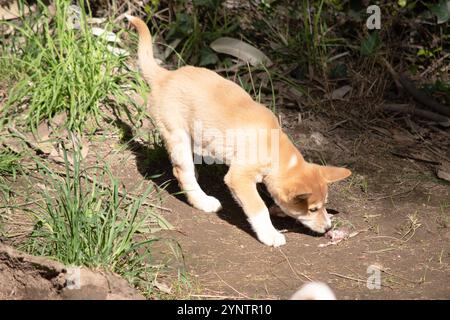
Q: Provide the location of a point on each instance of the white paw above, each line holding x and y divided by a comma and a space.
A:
272, 238
208, 204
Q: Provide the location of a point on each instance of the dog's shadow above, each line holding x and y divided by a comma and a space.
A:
153, 163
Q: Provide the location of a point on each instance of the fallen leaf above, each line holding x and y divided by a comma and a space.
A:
59, 120
240, 50
84, 148
171, 48
162, 287
117, 51
107, 35
13, 144
43, 131
340, 93
12, 11
42, 140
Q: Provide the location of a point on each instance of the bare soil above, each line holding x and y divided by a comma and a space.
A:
396, 203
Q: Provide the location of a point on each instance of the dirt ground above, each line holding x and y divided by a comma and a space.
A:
395, 203
397, 208
26, 277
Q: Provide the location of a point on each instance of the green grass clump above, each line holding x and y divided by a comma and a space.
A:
88, 223
9, 163
60, 69
9, 167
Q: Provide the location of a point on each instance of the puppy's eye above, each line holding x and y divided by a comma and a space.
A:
313, 209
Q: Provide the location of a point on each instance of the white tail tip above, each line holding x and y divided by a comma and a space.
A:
129, 17
314, 291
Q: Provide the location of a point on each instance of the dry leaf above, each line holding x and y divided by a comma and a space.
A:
12, 11
43, 131
59, 120
171, 48
162, 287
117, 51
340, 93
13, 144
42, 141
241, 50
84, 148
107, 35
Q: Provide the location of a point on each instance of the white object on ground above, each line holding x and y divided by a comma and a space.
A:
314, 291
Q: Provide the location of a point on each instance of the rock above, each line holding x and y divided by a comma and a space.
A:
24, 276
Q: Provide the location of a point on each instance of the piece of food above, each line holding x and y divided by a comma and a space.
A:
337, 234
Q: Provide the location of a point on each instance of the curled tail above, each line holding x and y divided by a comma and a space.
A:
147, 62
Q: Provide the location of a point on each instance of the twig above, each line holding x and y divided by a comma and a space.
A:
355, 279
395, 194
409, 156
22, 204
402, 278
435, 65
337, 125
347, 277
293, 270
422, 97
228, 285
417, 94
381, 250
405, 108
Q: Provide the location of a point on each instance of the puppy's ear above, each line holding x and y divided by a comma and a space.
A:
299, 198
333, 174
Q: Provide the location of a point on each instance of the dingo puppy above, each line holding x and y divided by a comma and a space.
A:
198, 111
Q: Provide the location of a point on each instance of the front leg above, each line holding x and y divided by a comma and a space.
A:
243, 187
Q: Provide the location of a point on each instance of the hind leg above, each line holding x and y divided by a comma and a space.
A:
179, 146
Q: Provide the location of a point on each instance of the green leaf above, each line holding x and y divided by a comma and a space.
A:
441, 11
207, 57
425, 53
339, 71
370, 45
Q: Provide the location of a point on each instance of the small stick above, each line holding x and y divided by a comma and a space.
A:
381, 250
293, 270
355, 279
429, 115
395, 194
347, 277
417, 94
409, 156
228, 285
402, 278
